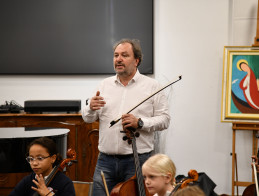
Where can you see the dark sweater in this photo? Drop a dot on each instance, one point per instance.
(61, 183)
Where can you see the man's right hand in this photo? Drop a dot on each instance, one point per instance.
(97, 102)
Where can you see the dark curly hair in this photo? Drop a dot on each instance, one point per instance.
(50, 146)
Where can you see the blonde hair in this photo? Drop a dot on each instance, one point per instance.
(190, 191)
(162, 164)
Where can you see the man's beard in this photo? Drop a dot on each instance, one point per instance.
(121, 73)
(127, 71)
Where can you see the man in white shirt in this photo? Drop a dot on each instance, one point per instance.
(116, 96)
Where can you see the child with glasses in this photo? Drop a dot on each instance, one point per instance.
(43, 157)
(159, 175)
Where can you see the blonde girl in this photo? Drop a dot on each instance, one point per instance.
(159, 175)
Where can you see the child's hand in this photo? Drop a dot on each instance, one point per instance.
(40, 183)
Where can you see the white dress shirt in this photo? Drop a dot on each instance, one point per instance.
(119, 100)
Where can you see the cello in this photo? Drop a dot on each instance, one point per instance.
(134, 186)
(71, 157)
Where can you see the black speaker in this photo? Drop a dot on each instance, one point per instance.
(52, 106)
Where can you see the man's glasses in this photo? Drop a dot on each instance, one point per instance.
(38, 159)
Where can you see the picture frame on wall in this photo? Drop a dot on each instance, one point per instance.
(240, 84)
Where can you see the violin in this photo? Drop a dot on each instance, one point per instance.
(134, 186)
(71, 157)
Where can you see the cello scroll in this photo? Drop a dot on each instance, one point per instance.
(71, 157)
(193, 176)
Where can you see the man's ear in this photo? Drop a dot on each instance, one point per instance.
(137, 61)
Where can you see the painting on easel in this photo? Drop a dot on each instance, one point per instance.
(240, 88)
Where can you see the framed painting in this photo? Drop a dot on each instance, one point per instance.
(240, 85)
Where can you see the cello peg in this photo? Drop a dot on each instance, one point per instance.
(137, 134)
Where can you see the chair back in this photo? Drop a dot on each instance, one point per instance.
(83, 188)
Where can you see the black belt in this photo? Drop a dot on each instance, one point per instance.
(122, 156)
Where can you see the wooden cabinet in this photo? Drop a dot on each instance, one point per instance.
(83, 138)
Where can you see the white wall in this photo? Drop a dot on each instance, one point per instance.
(189, 41)
(190, 36)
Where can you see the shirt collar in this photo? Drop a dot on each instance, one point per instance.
(134, 79)
(45, 177)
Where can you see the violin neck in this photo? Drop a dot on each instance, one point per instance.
(140, 179)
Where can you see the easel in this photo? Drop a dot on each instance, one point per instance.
(245, 126)
(256, 41)
(254, 127)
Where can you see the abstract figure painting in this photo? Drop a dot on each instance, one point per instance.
(240, 92)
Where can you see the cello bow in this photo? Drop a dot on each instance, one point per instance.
(255, 175)
(169, 84)
(105, 185)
